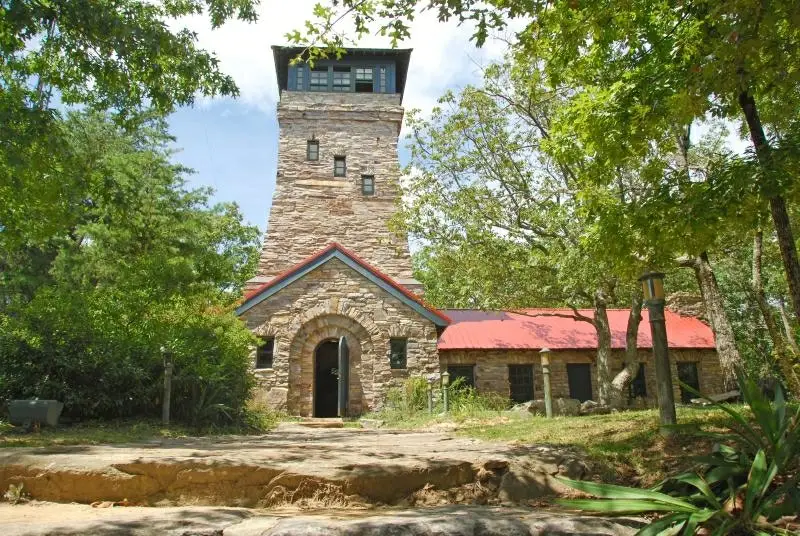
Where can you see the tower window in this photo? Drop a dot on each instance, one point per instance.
(364, 79)
(301, 71)
(339, 166)
(341, 79)
(265, 352)
(368, 184)
(319, 79)
(312, 150)
(398, 353)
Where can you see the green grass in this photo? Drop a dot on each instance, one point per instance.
(624, 447)
(125, 431)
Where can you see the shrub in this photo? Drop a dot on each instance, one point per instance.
(744, 486)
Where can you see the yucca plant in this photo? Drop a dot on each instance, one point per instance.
(745, 486)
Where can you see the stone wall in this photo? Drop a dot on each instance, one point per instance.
(491, 369)
(328, 302)
(311, 207)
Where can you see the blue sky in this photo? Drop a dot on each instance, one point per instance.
(232, 144)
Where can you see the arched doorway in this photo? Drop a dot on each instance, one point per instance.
(326, 378)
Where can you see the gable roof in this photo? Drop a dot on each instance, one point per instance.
(336, 251)
(500, 330)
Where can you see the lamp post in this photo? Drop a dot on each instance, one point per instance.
(165, 401)
(430, 395)
(653, 287)
(548, 397)
(445, 396)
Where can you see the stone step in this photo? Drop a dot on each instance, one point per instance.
(319, 422)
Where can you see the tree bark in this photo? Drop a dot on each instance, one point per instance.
(788, 329)
(603, 329)
(729, 358)
(622, 380)
(777, 204)
(782, 357)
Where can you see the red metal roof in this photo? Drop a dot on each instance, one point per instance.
(499, 330)
(332, 247)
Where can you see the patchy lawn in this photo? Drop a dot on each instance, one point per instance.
(111, 432)
(625, 447)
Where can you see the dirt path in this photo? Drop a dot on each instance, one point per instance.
(293, 465)
(38, 519)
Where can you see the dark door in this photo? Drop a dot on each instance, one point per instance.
(344, 376)
(326, 379)
(687, 373)
(579, 376)
(520, 380)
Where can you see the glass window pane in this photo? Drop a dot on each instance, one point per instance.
(300, 76)
(319, 79)
(341, 79)
(312, 150)
(368, 184)
(398, 353)
(364, 74)
(264, 353)
(339, 167)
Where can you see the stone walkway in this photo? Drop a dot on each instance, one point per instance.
(296, 481)
(38, 519)
(293, 464)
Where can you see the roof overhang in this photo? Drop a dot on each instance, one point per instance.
(335, 251)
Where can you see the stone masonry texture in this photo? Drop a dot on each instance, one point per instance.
(329, 302)
(311, 208)
(491, 369)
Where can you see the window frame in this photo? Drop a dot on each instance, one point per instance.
(269, 344)
(318, 87)
(309, 145)
(454, 375)
(300, 73)
(365, 179)
(343, 160)
(402, 362)
(513, 373)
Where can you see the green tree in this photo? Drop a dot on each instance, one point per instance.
(135, 262)
(635, 72)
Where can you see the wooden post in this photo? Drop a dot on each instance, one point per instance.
(165, 405)
(548, 397)
(654, 298)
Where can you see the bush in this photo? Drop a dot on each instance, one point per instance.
(747, 485)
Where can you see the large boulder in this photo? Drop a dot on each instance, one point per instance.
(566, 406)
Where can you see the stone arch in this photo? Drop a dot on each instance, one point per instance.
(304, 341)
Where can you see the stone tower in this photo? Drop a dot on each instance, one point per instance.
(338, 170)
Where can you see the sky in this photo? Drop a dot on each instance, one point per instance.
(232, 143)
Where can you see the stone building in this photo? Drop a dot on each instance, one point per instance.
(334, 300)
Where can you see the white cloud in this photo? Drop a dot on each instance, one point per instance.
(443, 55)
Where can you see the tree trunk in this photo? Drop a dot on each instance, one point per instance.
(788, 329)
(777, 204)
(631, 369)
(603, 329)
(782, 358)
(729, 358)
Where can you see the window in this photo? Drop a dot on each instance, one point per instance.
(520, 380)
(341, 79)
(339, 166)
(364, 80)
(687, 373)
(264, 353)
(368, 184)
(579, 377)
(398, 350)
(312, 150)
(319, 79)
(467, 372)
(383, 80)
(638, 386)
(301, 72)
